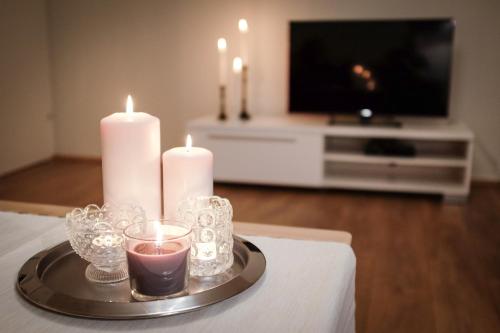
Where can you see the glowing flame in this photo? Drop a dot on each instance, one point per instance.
(130, 105)
(189, 142)
(243, 25)
(358, 69)
(222, 44)
(237, 65)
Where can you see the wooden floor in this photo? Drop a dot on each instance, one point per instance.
(422, 266)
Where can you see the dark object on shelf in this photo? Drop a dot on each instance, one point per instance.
(54, 279)
(390, 147)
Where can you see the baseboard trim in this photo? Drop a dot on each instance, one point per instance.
(64, 157)
(26, 167)
(486, 179)
(77, 158)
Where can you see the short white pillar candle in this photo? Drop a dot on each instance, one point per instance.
(187, 172)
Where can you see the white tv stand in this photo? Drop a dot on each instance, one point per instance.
(305, 151)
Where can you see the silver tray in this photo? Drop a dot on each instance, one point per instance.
(54, 279)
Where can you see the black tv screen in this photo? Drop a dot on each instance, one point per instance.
(392, 67)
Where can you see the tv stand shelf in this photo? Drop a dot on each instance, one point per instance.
(305, 151)
(393, 160)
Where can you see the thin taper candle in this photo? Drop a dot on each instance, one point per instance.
(222, 48)
(243, 28)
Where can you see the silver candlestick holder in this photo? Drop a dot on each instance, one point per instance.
(222, 106)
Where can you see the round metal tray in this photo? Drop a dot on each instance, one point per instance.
(54, 279)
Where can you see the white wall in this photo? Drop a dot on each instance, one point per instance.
(26, 131)
(164, 53)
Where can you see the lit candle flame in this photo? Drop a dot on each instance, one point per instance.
(358, 69)
(237, 65)
(222, 45)
(130, 105)
(189, 142)
(243, 25)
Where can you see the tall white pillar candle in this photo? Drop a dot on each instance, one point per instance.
(187, 172)
(243, 28)
(131, 165)
(222, 48)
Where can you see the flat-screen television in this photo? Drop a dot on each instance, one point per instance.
(391, 67)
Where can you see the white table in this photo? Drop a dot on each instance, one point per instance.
(308, 286)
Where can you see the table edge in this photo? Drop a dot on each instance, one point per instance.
(241, 228)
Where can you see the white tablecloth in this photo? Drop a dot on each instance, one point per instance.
(308, 286)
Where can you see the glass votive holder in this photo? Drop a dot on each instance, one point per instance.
(96, 235)
(158, 254)
(210, 218)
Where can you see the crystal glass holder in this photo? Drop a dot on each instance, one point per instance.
(96, 235)
(210, 218)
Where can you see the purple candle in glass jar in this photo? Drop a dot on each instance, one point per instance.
(158, 271)
(158, 259)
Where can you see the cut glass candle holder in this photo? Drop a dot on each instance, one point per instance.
(210, 218)
(96, 235)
